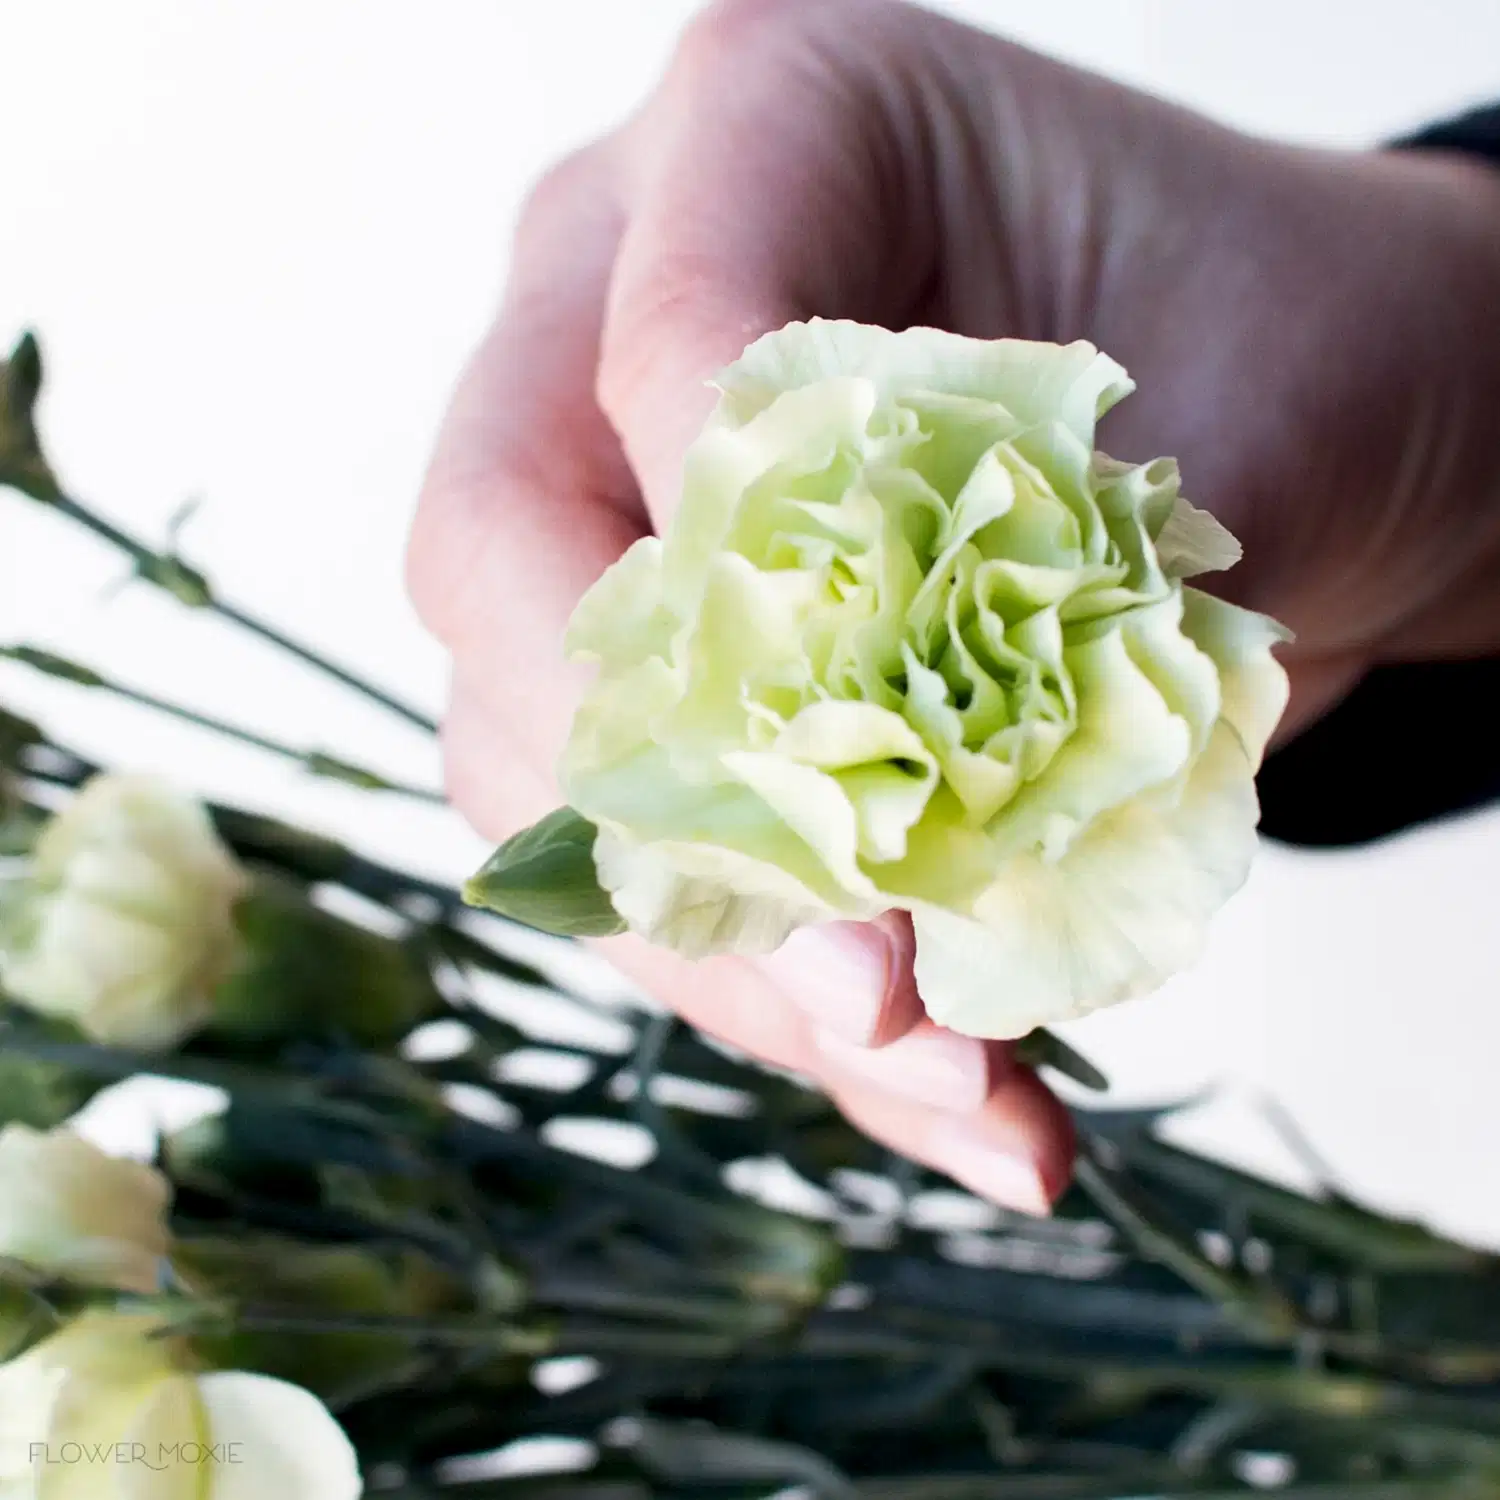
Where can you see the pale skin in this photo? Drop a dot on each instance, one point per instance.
(1315, 335)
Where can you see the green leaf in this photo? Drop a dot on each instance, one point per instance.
(545, 877)
(22, 464)
(1045, 1049)
(53, 665)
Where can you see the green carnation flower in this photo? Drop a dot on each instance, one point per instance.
(910, 642)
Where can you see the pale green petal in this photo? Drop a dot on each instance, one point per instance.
(1193, 542)
(1035, 382)
(1252, 682)
(616, 718)
(982, 782)
(985, 709)
(799, 433)
(1185, 676)
(987, 496)
(948, 862)
(620, 620)
(699, 899)
(1133, 499)
(1127, 739)
(812, 805)
(1056, 458)
(749, 628)
(1015, 590)
(1036, 528)
(645, 801)
(958, 431)
(878, 760)
(833, 736)
(287, 1443)
(1122, 911)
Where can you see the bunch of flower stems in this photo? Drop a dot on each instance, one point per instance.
(420, 1230)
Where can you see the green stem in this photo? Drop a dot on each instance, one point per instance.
(1259, 1309)
(193, 589)
(317, 762)
(311, 658)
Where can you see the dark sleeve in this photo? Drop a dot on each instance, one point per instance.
(1410, 743)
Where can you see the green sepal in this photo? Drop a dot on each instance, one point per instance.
(545, 877)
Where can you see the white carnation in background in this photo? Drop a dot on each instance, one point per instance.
(68, 1210)
(123, 924)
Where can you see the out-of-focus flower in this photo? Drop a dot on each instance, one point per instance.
(70, 1211)
(106, 1410)
(124, 923)
(910, 642)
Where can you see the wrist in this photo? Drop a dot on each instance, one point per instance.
(1393, 260)
(1449, 203)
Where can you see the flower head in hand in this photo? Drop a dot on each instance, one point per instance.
(910, 642)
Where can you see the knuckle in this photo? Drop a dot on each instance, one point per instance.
(564, 183)
(682, 291)
(724, 29)
(463, 786)
(440, 558)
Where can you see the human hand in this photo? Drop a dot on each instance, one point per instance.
(1304, 328)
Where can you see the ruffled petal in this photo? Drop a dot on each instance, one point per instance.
(1127, 740)
(1252, 683)
(621, 619)
(1123, 910)
(1035, 382)
(1192, 542)
(698, 899)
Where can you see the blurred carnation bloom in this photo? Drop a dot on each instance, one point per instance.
(70, 1211)
(124, 922)
(107, 1409)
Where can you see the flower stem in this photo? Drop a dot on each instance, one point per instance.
(317, 762)
(190, 587)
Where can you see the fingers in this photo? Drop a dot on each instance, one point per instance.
(744, 197)
(528, 498)
(1016, 1150)
(959, 1105)
(854, 979)
(756, 199)
(927, 1065)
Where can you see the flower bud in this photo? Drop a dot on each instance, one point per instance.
(123, 925)
(302, 972)
(326, 1283)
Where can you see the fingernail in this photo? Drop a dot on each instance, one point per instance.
(1011, 1180)
(838, 974)
(931, 1067)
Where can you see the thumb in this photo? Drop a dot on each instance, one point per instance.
(753, 198)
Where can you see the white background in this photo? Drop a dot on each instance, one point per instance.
(258, 240)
